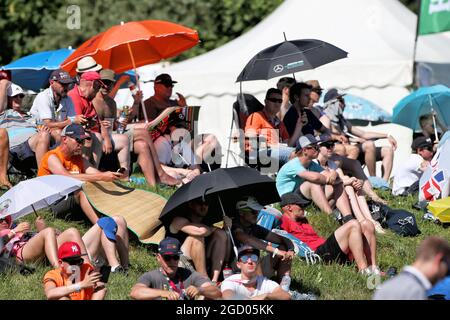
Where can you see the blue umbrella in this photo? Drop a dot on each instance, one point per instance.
(408, 111)
(32, 72)
(357, 108)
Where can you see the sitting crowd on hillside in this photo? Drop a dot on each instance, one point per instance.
(75, 128)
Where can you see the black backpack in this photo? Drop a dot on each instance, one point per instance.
(401, 222)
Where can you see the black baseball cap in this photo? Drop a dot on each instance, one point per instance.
(61, 76)
(74, 131)
(332, 94)
(247, 249)
(293, 198)
(421, 142)
(164, 78)
(169, 247)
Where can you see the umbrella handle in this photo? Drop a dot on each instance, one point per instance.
(436, 139)
(137, 81)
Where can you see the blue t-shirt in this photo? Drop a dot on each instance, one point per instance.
(288, 179)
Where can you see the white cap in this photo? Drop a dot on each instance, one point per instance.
(250, 202)
(87, 64)
(14, 90)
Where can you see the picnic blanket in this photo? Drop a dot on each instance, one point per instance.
(140, 208)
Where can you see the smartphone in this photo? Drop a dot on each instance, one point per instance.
(121, 170)
(105, 271)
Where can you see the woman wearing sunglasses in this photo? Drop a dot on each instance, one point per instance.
(249, 285)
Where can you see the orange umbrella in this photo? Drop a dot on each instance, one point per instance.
(134, 44)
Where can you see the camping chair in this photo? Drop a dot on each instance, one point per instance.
(269, 218)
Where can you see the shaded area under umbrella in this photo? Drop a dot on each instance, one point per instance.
(230, 184)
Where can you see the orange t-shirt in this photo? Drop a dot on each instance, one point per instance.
(61, 280)
(258, 123)
(73, 165)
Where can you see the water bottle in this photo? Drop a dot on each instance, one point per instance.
(285, 282)
(123, 116)
(227, 271)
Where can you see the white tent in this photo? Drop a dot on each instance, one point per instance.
(378, 34)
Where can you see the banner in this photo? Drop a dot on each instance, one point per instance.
(434, 16)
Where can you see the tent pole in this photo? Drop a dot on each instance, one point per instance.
(228, 229)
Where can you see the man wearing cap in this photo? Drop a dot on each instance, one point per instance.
(347, 239)
(170, 282)
(161, 99)
(137, 139)
(432, 264)
(74, 279)
(247, 232)
(27, 143)
(407, 176)
(176, 156)
(82, 95)
(106, 108)
(248, 284)
(302, 175)
(53, 107)
(67, 160)
(334, 105)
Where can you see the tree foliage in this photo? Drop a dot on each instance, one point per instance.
(31, 26)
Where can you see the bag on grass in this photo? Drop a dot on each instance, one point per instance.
(402, 222)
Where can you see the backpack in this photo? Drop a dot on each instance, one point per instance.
(10, 264)
(402, 222)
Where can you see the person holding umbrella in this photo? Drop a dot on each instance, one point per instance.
(203, 244)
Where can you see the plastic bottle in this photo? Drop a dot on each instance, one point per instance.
(138, 180)
(285, 282)
(165, 288)
(123, 116)
(227, 271)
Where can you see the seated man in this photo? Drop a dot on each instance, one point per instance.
(406, 179)
(248, 284)
(74, 279)
(27, 143)
(347, 239)
(67, 160)
(428, 131)
(305, 177)
(170, 282)
(246, 232)
(53, 107)
(265, 124)
(365, 149)
(176, 155)
(204, 245)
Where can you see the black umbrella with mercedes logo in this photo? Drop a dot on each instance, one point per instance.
(288, 57)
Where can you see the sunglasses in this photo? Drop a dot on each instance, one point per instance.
(275, 100)
(247, 257)
(74, 262)
(314, 147)
(167, 85)
(171, 257)
(318, 91)
(3, 220)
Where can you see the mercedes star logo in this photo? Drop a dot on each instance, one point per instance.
(278, 68)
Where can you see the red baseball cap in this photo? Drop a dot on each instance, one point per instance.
(90, 76)
(69, 250)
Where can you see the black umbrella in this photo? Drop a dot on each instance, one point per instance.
(230, 184)
(289, 57)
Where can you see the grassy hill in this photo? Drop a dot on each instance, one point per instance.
(327, 281)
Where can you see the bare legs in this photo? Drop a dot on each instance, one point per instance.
(122, 147)
(4, 154)
(39, 143)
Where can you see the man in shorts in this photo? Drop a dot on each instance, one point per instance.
(347, 239)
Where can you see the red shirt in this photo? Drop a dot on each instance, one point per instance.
(303, 231)
(84, 107)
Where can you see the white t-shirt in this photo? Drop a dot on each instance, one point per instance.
(407, 174)
(235, 284)
(44, 107)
